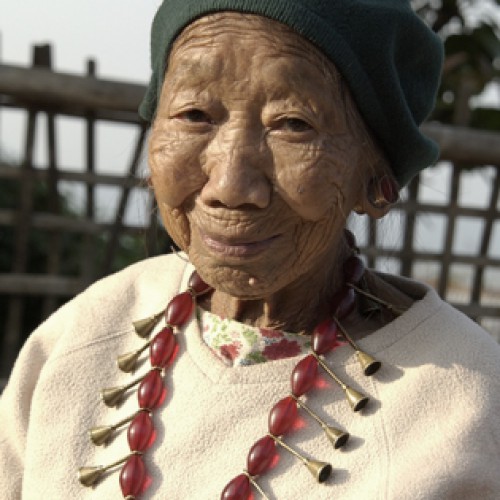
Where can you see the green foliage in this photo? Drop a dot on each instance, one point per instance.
(470, 30)
(485, 118)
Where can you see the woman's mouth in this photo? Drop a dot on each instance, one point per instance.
(236, 248)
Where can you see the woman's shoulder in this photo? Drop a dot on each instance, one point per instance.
(107, 308)
(161, 272)
(432, 331)
(463, 345)
(146, 282)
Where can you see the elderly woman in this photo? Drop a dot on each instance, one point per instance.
(275, 365)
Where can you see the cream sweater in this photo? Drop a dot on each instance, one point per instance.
(432, 430)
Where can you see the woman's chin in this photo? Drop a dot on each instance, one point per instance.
(238, 282)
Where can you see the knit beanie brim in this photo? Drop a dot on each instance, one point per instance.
(390, 59)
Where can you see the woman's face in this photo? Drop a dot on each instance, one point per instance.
(254, 166)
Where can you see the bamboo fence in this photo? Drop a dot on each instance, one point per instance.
(38, 90)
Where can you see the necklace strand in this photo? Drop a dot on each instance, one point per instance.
(163, 350)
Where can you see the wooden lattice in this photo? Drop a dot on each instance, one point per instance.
(40, 91)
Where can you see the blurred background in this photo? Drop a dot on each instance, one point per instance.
(74, 205)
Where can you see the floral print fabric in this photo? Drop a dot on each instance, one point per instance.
(237, 344)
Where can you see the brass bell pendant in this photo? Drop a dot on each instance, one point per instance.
(337, 437)
(88, 476)
(101, 434)
(369, 364)
(113, 395)
(127, 362)
(321, 471)
(143, 327)
(356, 400)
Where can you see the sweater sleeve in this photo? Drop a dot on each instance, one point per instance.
(15, 406)
(30, 401)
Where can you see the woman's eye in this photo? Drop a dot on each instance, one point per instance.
(295, 125)
(194, 116)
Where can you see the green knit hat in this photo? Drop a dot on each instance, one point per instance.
(390, 59)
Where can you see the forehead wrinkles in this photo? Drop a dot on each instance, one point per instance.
(226, 30)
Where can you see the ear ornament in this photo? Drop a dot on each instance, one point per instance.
(382, 192)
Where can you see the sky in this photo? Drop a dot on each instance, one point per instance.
(115, 33)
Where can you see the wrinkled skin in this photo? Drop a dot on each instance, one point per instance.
(255, 167)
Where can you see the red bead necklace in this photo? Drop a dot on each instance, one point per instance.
(163, 348)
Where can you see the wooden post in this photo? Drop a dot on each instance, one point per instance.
(491, 216)
(450, 230)
(409, 234)
(372, 240)
(88, 265)
(54, 237)
(113, 241)
(14, 322)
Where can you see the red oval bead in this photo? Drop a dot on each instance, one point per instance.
(282, 416)
(303, 375)
(325, 337)
(198, 286)
(179, 309)
(150, 389)
(260, 457)
(162, 347)
(354, 268)
(237, 489)
(140, 431)
(343, 302)
(132, 476)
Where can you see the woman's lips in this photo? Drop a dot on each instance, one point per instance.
(236, 248)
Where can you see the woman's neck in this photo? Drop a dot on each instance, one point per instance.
(300, 306)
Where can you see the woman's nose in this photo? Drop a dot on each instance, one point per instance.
(236, 167)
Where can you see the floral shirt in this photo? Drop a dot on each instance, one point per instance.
(237, 344)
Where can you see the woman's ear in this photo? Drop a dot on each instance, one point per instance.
(378, 197)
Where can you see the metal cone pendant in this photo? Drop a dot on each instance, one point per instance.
(127, 362)
(100, 435)
(369, 364)
(356, 400)
(320, 470)
(88, 476)
(336, 436)
(113, 395)
(143, 327)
